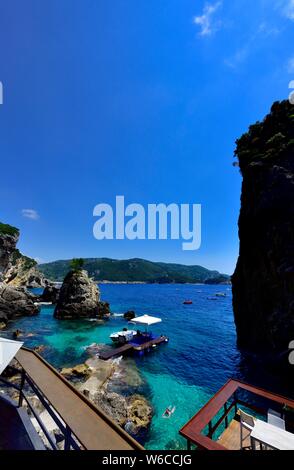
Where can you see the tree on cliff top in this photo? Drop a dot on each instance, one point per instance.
(77, 264)
(270, 140)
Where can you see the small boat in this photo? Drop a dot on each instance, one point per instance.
(169, 411)
(187, 302)
(123, 336)
(221, 294)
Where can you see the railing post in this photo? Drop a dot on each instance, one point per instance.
(67, 437)
(22, 382)
(236, 402)
(210, 432)
(226, 418)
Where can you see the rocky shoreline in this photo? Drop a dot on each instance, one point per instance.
(97, 380)
(104, 383)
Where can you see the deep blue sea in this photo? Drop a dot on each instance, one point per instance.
(199, 358)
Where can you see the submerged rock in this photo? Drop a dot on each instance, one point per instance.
(263, 282)
(15, 302)
(79, 297)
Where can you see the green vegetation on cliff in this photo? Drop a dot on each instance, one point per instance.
(268, 141)
(6, 229)
(132, 270)
(27, 262)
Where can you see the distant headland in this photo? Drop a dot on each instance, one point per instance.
(136, 271)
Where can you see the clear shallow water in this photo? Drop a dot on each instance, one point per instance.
(200, 357)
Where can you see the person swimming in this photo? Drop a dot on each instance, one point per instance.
(169, 411)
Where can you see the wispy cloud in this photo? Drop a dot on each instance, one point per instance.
(288, 9)
(253, 41)
(30, 214)
(206, 20)
(266, 29)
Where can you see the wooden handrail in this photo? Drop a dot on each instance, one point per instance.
(48, 380)
(192, 430)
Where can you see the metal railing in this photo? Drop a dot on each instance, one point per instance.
(70, 441)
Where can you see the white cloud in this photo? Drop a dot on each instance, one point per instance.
(205, 21)
(30, 214)
(289, 9)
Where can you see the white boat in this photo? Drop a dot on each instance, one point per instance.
(123, 336)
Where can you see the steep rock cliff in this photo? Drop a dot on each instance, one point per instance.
(16, 269)
(79, 297)
(263, 282)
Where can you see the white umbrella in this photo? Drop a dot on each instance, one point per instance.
(8, 349)
(146, 320)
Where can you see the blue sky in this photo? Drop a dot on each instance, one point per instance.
(137, 98)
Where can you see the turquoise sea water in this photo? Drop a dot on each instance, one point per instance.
(200, 357)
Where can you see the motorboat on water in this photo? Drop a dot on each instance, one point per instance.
(123, 336)
(221, 294)
(126, 335)
(187, 302)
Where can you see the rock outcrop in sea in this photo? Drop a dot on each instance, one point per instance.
(15, 302)
(49, 294)
(79, 297)
(263, 282)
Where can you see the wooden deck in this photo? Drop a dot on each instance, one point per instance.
(115, 352)
(91, 426)
(132, 347)
(226, 400)
(230, 438)
(149, 344)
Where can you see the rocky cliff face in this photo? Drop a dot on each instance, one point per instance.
(263, 282)
(79, 297)
(8, 239)
(23, 271)
(16, 269)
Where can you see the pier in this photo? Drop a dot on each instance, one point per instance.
(132, 346)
